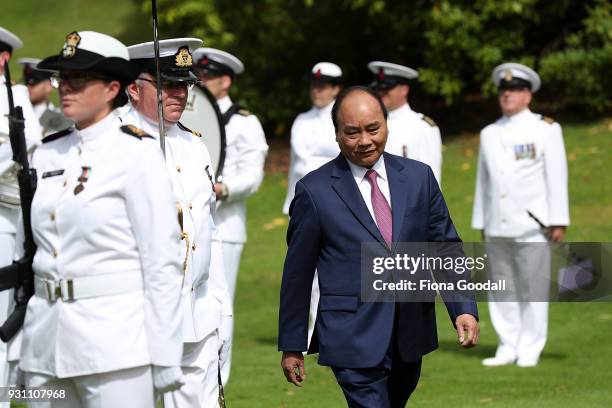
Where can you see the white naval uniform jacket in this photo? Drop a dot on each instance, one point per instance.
(33, 134)
(243, 171)
(521, 167)
(313, 143)
(415, 136)
(205, 297)
(122, 222)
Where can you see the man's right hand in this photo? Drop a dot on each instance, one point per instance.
(293, 367)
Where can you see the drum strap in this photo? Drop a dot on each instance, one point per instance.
(230, 112)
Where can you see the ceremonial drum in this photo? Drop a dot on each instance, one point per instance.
(202, 114)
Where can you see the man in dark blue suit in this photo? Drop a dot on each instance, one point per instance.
(364, 195)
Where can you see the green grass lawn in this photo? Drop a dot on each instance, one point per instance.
(574, 369)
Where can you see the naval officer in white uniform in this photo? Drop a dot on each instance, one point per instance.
(104, 325)
(207, 308)
(245, 156)
(411, 134)
(521, 197)
(313, 139)
(9, 192)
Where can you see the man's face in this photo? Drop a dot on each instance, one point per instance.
(40, 91)
(218, 85)
(362, 129)
(144, 97)
(323, 93)
(395, 97)
(513, 101)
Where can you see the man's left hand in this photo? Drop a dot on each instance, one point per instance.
(467, 330)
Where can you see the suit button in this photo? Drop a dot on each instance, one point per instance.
(55, 253)
(190, 206)
(52, 216)
(178, 168)
(65, 183)
(193, 247)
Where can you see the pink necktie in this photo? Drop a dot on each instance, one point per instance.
(382, 210)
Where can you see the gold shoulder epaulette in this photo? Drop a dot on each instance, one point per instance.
(244, 112)
(548, 120)
(429, 121)
(134, 131)
(186, 129)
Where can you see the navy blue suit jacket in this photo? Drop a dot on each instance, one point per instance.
(329, 222)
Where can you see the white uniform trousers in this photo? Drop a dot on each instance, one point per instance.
(521, 326)
(7, 248)
(231, 260)
(201, 370)
(131, 387)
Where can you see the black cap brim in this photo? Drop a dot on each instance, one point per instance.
(84, 60)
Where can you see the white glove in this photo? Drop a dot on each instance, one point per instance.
(166, 379)
(225, 333)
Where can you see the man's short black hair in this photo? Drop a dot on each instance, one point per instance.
(346, 92)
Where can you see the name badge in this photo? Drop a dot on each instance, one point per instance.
(524, 151)
(53, 173)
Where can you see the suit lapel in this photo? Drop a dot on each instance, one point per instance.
(398, 188)
(345, 186)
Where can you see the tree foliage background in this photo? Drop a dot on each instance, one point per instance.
(453, 44)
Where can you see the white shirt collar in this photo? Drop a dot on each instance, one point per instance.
(224, 103)
(402, 110)
(326, 110)
(146, 124)
(518, 117)
(359, 172)
(97, 131)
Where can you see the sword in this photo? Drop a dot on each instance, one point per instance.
(160, 103)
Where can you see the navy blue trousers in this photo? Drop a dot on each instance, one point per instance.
(388, 385)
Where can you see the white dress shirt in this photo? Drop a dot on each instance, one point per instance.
(313, 143)
(413, 135)
(122, 222)
(243, 171)
(359, 174)
(521, 167)
(205, 297)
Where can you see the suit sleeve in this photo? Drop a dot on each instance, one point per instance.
(303, 240)
(481, 183)
(252, 149)
(556, 178)
(443, 232)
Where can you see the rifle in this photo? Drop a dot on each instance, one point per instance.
(19, 275)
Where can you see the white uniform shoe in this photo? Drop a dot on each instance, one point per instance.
(497, 361)
(527, 362)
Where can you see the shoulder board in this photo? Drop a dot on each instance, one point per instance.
(57, 135)
(186, 129)
(134, 131)
(429, 121)
(244, 112)
(548, 120)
